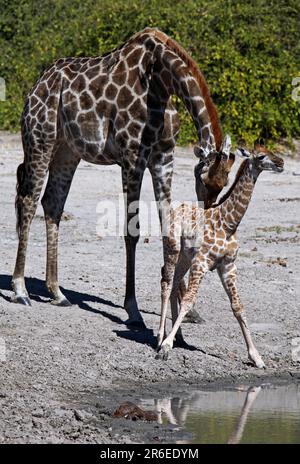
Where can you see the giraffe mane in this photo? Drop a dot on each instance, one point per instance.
(194, 70)
(239, 173)
(198, 76)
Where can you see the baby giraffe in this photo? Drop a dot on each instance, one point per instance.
(203, 240)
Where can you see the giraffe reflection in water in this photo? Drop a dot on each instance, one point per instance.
(177, 410)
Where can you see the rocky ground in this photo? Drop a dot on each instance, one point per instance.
(64, 370)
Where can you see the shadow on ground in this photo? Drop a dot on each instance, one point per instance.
(38, 292)
(146, 337)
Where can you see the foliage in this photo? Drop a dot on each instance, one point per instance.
(249, 52)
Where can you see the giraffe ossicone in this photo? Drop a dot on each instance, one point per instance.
(226, 145)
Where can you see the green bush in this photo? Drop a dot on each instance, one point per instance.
(249, 52)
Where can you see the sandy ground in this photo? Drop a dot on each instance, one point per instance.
(64, 370)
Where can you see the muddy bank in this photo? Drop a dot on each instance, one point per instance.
(53, 358)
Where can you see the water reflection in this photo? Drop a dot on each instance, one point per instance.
(244, 414)
(240, 426)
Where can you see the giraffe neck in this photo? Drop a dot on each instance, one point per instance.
(235, 203)
(178, 74)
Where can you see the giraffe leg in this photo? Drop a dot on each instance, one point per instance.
(193, 316)
(161, 173)
(132, 176)
(197, 273)
(61, 171)
(29, 185)
(227, 274)
(178, 293)
(168, 271)
(161, 169)
(174, 311)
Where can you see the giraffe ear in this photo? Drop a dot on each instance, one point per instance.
(242, 153)
(226, 145)
(201, 152)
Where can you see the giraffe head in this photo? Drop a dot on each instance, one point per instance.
(262, 160)
(212, 171)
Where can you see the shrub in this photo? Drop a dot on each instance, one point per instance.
(249, 52)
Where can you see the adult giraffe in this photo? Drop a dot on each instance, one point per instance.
(113, 109)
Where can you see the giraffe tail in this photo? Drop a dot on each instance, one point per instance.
(20, 194)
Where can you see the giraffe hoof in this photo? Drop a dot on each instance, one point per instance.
(63, 303)
(23, 300)
(134, 317)
(135, 323)
(260, 364)
(163, 354)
